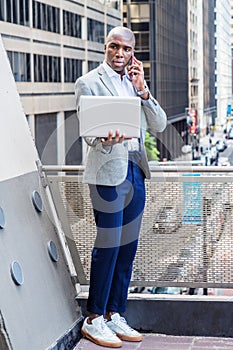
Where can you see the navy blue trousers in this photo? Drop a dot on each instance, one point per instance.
(118, 213)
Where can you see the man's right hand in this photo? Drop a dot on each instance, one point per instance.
(110, 140)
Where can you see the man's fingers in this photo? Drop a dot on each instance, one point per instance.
(110, 140)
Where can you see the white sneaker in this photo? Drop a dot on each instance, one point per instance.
(100, 334)
(119, 326)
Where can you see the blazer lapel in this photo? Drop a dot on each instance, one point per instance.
(106, 80)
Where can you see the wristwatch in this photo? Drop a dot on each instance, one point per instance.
(142, 92)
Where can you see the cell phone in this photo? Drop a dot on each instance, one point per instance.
(130, 62)
(129, 65)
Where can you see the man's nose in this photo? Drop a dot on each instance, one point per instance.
(120, 51)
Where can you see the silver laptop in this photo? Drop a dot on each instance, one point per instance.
(99, 114)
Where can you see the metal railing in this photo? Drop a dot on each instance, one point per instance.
(186, 233)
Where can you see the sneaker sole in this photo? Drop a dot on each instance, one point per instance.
(128, 338)
(101, 342)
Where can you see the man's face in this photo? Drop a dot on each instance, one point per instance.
(118, 52)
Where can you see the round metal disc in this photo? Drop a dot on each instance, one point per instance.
(2, 218)
(37, 201)
(17, 273)
(53, 251)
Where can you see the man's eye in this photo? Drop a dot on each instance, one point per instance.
(128, 49)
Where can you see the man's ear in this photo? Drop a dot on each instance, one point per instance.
(104, 47)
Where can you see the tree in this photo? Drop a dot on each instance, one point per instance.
(151, 150)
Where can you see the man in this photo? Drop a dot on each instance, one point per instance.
(115, 171)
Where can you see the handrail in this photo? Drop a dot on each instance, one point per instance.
(63, 168)
(154, 168)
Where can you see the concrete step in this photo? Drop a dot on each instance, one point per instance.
(178, 315)
(167, 342)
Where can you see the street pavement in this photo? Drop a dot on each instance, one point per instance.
(166, 342)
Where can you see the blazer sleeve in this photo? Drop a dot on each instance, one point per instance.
(155, 116)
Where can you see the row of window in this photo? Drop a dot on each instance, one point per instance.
(72, 24)
(95, 30)
(15, 11)
(46, 68)
(46, 17)
(20, 65)
(72, 69)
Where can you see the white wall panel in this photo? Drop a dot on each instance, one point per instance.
(17, 151)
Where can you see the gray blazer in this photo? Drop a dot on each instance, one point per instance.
(108, 165)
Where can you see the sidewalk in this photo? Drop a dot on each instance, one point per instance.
(166, 342)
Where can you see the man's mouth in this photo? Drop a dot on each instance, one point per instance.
(118, 63)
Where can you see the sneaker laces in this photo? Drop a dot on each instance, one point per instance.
(123, 323)
(104, 328)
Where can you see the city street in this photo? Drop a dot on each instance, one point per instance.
(208, 142)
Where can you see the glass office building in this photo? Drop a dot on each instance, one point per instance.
(161, 37)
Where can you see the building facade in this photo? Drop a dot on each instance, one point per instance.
(184, 45)
(50, 44)
(160, 28)
(223, 60)
(201, 33)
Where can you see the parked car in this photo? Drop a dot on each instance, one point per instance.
(221, 145)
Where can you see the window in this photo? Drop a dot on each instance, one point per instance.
(140, 27)
(93, 64)
(20, 65)
(147, 74)
(72, 24)
(95, 30)
(15, 11)
(47, 69)
(46, 137)
(46, 17)
(143, 56)
(142, 41)
(73, 143)
(24, 12)
(9, 12)
(2, 11)
(73, 69)
(109, 27)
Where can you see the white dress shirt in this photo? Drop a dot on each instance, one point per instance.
(124, 87)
